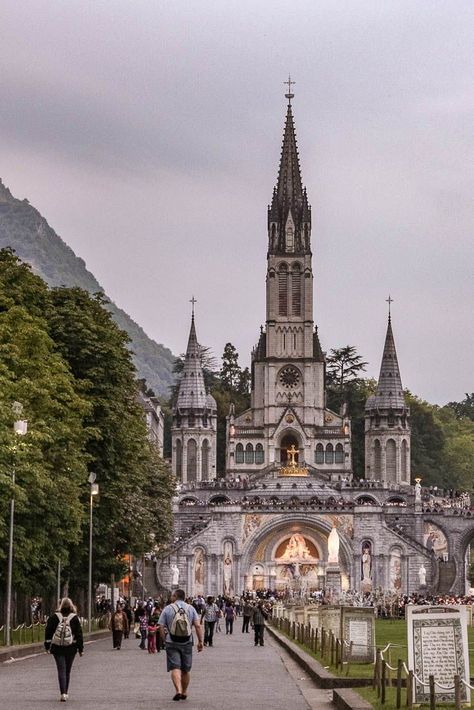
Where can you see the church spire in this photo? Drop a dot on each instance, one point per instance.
(289, 216)
(192, 391)
(389, 388)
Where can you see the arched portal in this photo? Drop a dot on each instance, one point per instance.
(288, 441)
(293, 552)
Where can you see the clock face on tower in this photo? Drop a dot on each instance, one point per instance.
(290, 377)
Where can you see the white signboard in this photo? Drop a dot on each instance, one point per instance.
(437, 645)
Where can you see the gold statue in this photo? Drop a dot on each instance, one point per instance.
(291, 455)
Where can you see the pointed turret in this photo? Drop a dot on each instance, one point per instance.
(387, 421)
(289, 215)
(389, 393)
(193, 432)
(192, 391)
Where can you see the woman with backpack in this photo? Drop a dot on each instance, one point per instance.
(63, 639)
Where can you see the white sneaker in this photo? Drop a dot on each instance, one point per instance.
(63, 697)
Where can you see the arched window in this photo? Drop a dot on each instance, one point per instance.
(249, 457)
(259, 455)
(319, 454)
(283, 290)
(329, 453)
(391, 461)
(191, 468)
(404, 461)
(377, 459)
(339, 454)
(179, 459)
(296, 290)
(205, 460)
(239, 453)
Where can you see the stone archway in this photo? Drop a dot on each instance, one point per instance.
(264, 545)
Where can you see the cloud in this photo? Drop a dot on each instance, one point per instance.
(148, 134)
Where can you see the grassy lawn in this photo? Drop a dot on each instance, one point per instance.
(394, 632)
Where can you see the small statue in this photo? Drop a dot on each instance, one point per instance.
(417, 490)
(174, 575)
(422, 575)
(333, 547)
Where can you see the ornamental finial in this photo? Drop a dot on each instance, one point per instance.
(289, 95)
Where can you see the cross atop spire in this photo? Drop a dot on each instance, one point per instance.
(193, 302)
(289, 95)
(389, 301)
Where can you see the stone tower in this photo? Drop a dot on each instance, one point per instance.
(288, 409)
(387, 422)
(193, 432)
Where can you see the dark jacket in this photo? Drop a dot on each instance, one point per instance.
(51, 626)
(258, 616)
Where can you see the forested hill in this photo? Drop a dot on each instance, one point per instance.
(24, 229)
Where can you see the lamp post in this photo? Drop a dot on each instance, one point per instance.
(93, 492)
(20, 427)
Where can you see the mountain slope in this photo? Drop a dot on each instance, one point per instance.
(24, 229)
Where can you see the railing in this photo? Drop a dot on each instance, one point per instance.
(406, 678)
(23, 633)
(34, 633)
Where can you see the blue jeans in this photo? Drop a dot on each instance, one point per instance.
(143, 635)
(64, 660)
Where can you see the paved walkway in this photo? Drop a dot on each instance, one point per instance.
(233, 675)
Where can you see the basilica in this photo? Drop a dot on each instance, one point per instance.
(288, 493)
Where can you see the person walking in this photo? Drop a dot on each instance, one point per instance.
(177, 621)
(210, 614)
(259, 615)
(229, 615)
(118, 624)
(143, 623)
(128, 614)
(153, 631)
(246, 616)
(63, 639)
(136, 619)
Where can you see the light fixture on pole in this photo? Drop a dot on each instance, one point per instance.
(93, 492)
(20, 428)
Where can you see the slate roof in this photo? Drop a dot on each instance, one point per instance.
(289, 194)
(389, 393)
(192, 391)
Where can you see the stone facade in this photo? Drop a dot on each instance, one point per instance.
(288, 367)
(267, 524)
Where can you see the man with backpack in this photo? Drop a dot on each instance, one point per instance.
(176, 628)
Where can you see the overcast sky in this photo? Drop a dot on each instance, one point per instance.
(148, 133)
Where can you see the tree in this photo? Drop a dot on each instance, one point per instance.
(465, 408)
(427, 442)
(51, 461)
(230, 374)
(134, 510)
(343, 367)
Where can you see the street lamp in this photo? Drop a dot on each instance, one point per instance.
(93, 492)
(20, 428)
